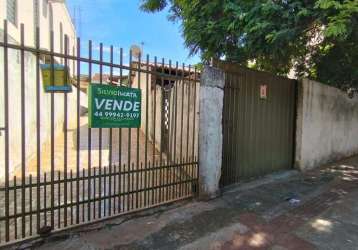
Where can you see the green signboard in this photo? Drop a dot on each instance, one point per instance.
(113, 107)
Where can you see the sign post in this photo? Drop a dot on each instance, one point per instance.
(113, 107)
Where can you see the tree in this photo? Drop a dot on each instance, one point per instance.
(318, 38)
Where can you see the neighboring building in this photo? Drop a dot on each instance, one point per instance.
(48, 15)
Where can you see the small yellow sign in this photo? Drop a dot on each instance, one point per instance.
(59, 82)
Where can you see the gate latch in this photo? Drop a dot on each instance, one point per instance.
(1, 129)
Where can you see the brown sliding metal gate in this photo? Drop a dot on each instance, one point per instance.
(258, 129)
(58, 172)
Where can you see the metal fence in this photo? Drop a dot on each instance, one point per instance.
(58, 172)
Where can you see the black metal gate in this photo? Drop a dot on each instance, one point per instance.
(58, 172)
(258, 124)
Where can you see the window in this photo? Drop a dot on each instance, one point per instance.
(44, 7)
(11, 11)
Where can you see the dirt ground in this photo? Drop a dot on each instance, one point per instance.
(288, 210)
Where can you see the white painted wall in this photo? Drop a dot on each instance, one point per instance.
(25, 15)
(327, 125)
(30, 111)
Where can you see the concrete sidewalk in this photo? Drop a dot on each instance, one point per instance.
(316, 210)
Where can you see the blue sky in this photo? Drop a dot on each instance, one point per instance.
(120, 23)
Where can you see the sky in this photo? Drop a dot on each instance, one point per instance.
(121, 23)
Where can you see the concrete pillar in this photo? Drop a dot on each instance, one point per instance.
(210, 131)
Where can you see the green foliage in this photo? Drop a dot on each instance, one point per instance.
(338, 24)
(318, 38)
(153, 5)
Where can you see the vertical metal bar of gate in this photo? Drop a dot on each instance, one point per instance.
(121, 197)
(38, 135)
(181, 128)
(137, 132)
(100, 140)
(78, 67)
(161, 130)
(52, 171)
(130, 180)
(194, 112)
(7, 131)
(23, 137)
(110, 141)
(66, 77)
(146, 132)
(154, 179)
(89, 142)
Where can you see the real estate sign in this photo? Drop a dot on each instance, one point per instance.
(113, 107)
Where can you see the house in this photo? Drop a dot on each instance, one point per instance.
(47, 15)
